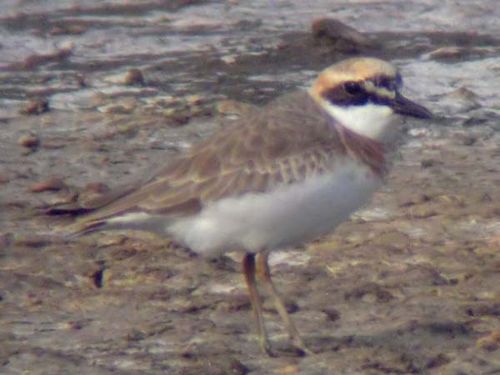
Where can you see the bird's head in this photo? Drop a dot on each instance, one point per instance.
(363, 94)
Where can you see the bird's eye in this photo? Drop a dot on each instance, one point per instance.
(386, 83)
(353, 88)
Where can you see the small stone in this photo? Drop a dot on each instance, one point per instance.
(92, 194)
(76, 324)
(97, 188)
(134, 77)
(51, 184)
(229, 59)
(485, 309)
(136, 335)
(35, 106)
(6, 240)
(179, 118)
(370, 293)
(67, 29)
(427, 163)
(4, 178)
(340, 34)
(238, 302)
(288, 370)
(62, 199)
(236, 367)
(464, 93)
(461, 100)
(469, 140)
(392, 240)
(31, 240)
(123, 106)
(489, 342)
(369, 298)
(230, 107)
(81, 80)
(34, 61)
(332, 313)
(194, 100)
(447, 53)
(422, 212)
(29, 141)
(437, 361)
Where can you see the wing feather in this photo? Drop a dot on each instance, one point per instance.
(273, 146)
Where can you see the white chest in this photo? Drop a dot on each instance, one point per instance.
(287, 216)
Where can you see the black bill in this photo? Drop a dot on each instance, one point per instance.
(406, 107)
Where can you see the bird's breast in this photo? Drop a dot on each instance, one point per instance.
(285, 216)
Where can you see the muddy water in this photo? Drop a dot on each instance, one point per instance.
(95, 93)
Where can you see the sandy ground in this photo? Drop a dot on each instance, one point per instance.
(410, 285)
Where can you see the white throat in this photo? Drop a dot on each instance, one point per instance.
(371, 120)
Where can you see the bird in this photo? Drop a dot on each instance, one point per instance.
(283, 174)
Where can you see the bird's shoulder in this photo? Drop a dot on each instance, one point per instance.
(283, 142)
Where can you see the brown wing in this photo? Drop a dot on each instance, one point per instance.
(286, 141)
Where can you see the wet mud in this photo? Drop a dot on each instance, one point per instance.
(410, 285)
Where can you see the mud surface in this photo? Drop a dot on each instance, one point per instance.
(94, 94)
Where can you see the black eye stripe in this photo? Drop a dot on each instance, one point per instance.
(355, 93)
(353, 88)
(351, 93)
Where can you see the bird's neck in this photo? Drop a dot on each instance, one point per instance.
(375, 122)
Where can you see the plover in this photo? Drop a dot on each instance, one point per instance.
(284, 174)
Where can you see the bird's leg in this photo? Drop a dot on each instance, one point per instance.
(264, 274)
(249, 272)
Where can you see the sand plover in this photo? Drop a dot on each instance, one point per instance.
(282, 175)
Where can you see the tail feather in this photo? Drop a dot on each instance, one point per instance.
(81, 226)
(77, 211)
(77, 229)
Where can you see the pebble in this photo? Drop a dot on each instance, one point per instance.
(67, 29)
(464, 93)
(437, 361)
(229, 59)
(331, 313)
(97, 188)
(5, 240)
(233, 108)
(35, 60)
(288, 370)
(446, 53)
(92, 194)
(32, 240)
(51, 184)
(134, 77)
(178, 118)
(66, 198)
(29, 141)
(194, 100)
(460, 100)
(122, 106)
(35, 106)
(469, 140)
(427, 163)
(490, 342)
(423, 212)
(340, 34)
(4, 178)
(393, 240)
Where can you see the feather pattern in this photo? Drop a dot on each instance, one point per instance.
(274, 146)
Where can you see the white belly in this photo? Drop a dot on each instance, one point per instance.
(285, 217)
